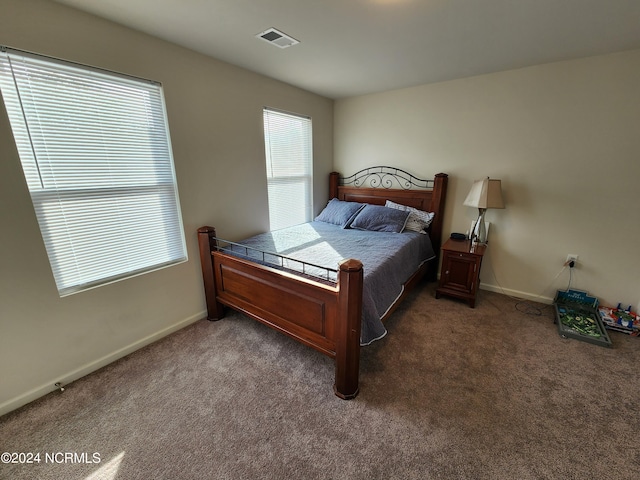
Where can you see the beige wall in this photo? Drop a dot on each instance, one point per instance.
(564, 139)
(215, 116)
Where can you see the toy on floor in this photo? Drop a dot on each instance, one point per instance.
(620, 320)
(577, 317)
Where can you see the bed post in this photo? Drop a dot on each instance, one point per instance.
(437, 205)
(348, 329)
(207, 243)
(334, 181)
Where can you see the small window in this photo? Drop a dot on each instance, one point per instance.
(288, 149)
(96, 154)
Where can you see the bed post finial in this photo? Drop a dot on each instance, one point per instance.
(348, 334)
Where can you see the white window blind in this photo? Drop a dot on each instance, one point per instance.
(96, 154)
(288, 148)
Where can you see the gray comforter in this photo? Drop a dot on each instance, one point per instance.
(389, 260)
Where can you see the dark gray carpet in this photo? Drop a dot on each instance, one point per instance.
(451, 392)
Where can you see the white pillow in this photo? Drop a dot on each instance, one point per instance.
(418, 220)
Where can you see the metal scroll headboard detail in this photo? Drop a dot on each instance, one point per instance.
(385, 177)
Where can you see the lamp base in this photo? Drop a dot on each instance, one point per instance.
(479, 234)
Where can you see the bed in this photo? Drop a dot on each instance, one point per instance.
(326, 306)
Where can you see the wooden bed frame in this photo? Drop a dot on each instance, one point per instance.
(325, 317)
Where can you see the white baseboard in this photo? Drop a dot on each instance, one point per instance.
(69, 377)
(516, 293)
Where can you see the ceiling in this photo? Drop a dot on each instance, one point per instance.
(355, 47)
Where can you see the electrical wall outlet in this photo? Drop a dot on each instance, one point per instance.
(572, 257)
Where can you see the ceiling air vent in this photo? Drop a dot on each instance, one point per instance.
(277, 38)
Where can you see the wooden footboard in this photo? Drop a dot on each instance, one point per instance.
(327, 318)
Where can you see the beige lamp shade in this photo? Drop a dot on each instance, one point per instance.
(485, 193)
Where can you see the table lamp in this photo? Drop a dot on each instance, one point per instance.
(485, 193)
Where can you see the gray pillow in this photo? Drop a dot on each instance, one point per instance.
(380, 219)
(339, 212)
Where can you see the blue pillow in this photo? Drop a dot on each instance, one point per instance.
(380, 219)
(339, 212)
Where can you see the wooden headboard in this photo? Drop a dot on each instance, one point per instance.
(376, 185)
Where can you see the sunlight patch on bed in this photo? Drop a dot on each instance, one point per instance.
(303, 243)
(325, 269)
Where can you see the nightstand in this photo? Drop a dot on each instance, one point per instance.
(460, 272)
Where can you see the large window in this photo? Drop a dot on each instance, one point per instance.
(96, 154)
(288, 149)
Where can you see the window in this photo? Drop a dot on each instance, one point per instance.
(96, 154)
(288, 149)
